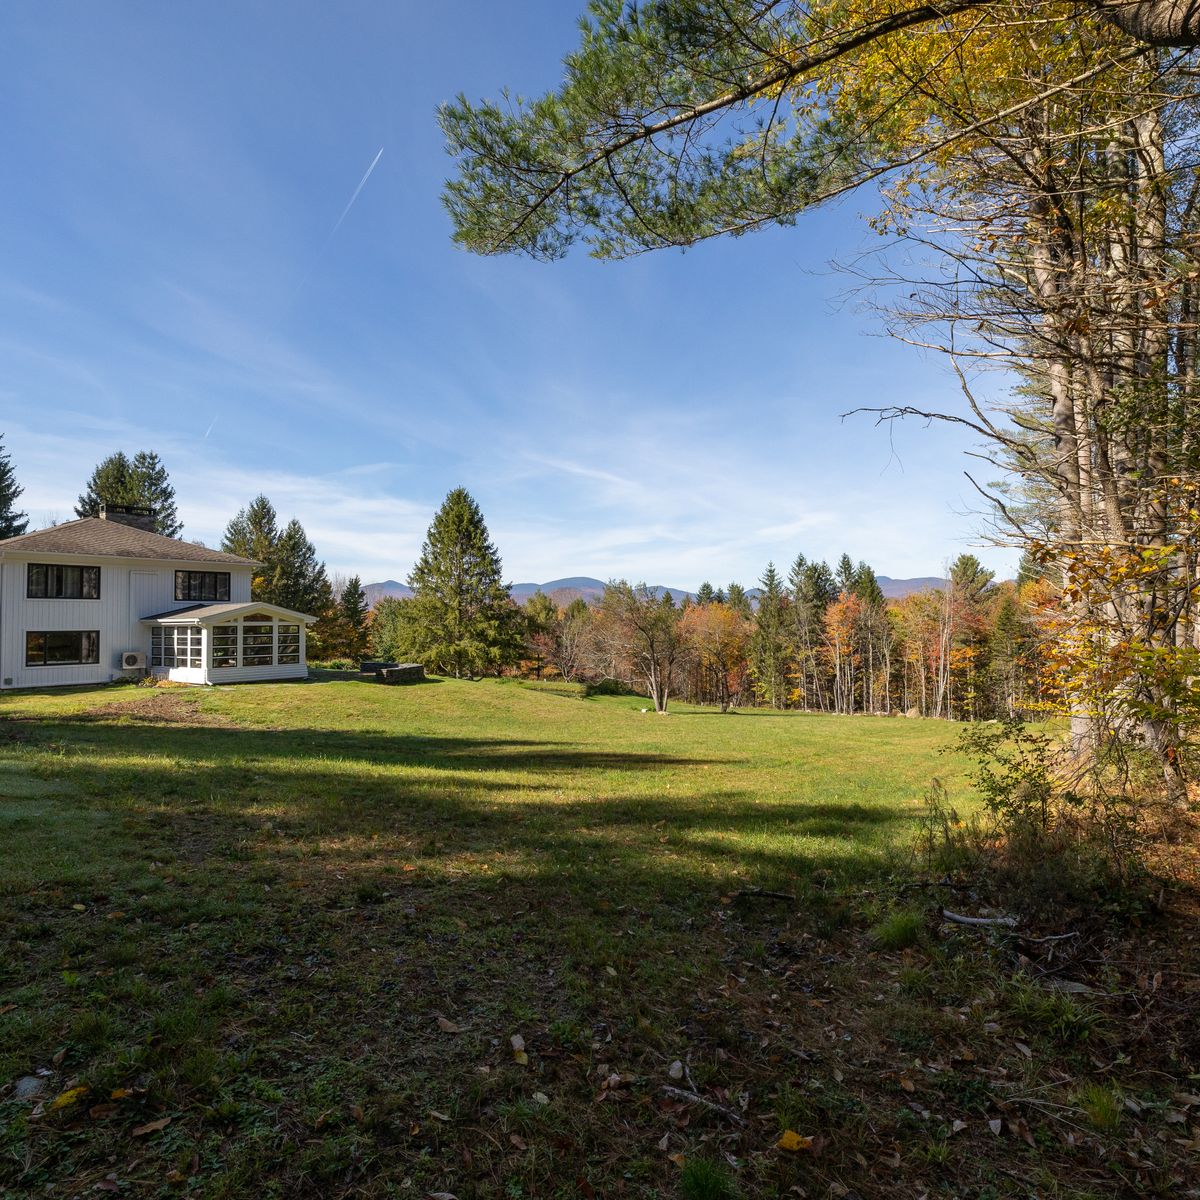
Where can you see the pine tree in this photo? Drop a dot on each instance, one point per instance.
(153, 487)
(768, 644)
(298, 581)
(466, 620)
(739, 601)
(253, 533)
(845, 574)
(110, 483)
(142, 480)
(12, 522)
(353, 611)
(705, 595)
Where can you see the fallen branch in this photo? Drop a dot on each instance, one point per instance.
(947, 915)
(693, 1098)
(1054, 937)
(759, 894)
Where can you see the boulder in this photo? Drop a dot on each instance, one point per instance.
(913, 713)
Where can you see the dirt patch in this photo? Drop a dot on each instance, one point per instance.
(159, 708)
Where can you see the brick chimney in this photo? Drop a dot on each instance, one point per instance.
(137, 515)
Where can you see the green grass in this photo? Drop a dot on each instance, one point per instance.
(303, 924)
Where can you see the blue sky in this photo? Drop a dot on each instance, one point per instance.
(170, 279)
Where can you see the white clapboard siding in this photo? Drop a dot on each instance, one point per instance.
(129, 589)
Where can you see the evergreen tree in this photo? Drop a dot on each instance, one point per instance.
(298, 580)
(970, 578)
(466, 621)
(845, 574)
(110, 483)
(153, 487)
(142, 480)
(739, 601)
(12, 522)
(705, 595)
(769, 643)
(866, 586)
(354, 611)
(253, 533)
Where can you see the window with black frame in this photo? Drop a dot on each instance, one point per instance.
(201, 585)
(59, 581)
(62, 647)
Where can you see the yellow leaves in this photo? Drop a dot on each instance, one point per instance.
(793, 1142)
(69, 1097)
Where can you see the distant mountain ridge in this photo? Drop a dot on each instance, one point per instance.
(572, 587)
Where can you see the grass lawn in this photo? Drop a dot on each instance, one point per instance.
(337, 939)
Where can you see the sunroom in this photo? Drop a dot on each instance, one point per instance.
(228, 643)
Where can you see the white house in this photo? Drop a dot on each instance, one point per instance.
(105, 597)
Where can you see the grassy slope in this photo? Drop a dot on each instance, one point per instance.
(246, 909)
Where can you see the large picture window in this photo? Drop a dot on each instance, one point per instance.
(224, 645)
(201, 585)
(53, 581)
(175, 646)
(289, 643)
(258, 641)
(61, 648)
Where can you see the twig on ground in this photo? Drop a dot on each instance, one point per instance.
(947, 915)
(759, 894)
(693, 1098)
(1054, 937)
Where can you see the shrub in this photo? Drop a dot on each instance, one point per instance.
(1051, 831)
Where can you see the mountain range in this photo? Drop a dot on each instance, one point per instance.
(563, 591)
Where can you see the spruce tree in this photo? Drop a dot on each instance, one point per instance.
(142, 480)
(705, 595)
(465, 619)
(739, 601)
(352, 611)
(110, 483)
(253, 533)
(299, 581)
(12, 522)
(152, 486)
(769, 642)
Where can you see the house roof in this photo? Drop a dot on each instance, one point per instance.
(208, 614)
(95, 537)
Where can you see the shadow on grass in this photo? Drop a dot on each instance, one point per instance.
(569, 815)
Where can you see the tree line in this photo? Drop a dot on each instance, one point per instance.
(823, 639)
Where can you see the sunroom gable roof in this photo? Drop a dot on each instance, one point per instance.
(213, 614)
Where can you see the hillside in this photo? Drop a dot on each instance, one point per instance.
(563, 591)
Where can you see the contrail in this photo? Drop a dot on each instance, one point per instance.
(362, 183)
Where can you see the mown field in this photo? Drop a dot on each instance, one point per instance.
(477, 939)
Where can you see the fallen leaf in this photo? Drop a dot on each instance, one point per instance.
(447, 1026)
(433, 1112)
(518, 1042)
(98, 1112)
(520, 1058)
(907, 1084)
(79, 907)
(442, 1196)
(120, 1093)
(151, 1127)
(793, 1141)
(675, 1070)
(958, 1126)
(69, 1097)
(541, 1098)
(57, 1059)
(357, 1113)
(1024, 1049)
(666, 1142)
(995, 1126)
(677, 1159)
(518, 1141)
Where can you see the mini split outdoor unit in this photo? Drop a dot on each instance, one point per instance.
(133, 660)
